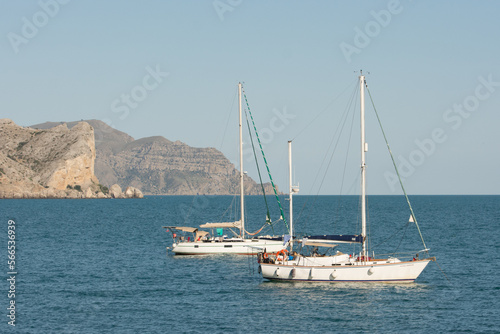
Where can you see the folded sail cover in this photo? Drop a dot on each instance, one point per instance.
(182, 228)
(236, 224)
(351, 238)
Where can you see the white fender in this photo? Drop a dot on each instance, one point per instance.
(334, 274)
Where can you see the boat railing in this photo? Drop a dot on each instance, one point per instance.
(403, 255)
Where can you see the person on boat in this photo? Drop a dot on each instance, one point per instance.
(315, 252)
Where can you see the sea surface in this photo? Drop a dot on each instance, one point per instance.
(101, 266)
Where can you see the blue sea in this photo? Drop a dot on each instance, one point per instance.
(101, 266)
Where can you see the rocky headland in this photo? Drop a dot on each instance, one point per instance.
(91, 159)
(51, 163)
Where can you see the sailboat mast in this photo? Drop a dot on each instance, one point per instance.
(242, 192)
(291, 192)
(364, 148)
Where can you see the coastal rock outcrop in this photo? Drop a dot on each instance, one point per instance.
(49, 163)
(132, 192)
(115, 191)
(159, 166)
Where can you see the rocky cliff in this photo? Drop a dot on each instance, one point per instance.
(159, 166)
(51, 163)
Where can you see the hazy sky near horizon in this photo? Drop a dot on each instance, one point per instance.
(171, 68)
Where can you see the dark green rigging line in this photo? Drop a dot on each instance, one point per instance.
(265, 160)
(268, 215)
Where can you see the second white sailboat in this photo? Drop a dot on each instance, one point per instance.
(201, 242)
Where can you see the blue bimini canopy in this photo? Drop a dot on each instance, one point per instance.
(348, 238)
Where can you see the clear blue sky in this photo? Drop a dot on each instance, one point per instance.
(71, 60)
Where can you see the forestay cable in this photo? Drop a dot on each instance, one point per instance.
(396, 168)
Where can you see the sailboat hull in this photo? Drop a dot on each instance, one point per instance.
(239, 246)
(342, 267)
(399, 272)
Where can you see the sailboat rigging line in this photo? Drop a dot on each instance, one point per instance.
(220, 148)
(446, 276)
(265, 161)
(340, 126)
(347, 153)
(391, 236)
(339, 203)
(268, 215)
(337, 135)
(228, 117)
(201, 191)
(369, 241)
(396, 168)
(324, 109)
(228, 208)
(358, 217)
(344, 116)
(402, 238)
(263, 226)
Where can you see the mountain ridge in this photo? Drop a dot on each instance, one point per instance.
(159, 166)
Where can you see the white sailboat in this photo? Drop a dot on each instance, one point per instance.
(201, 242)
(290, 266)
